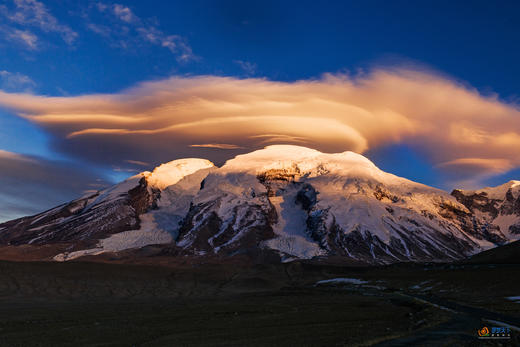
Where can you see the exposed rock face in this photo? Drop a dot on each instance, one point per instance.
(285, 200)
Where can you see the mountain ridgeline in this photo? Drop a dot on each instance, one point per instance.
(285, 202)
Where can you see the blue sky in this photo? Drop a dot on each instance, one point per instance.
(69, 49)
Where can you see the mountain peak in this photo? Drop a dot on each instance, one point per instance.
(306, 160)
(172, 172)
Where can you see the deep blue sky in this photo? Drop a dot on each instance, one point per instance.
(473, 42)
(287, 40)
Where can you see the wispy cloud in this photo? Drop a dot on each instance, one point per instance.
(124, 13)
(453, 126)
(15, 82)
(137, 162)
(248, 67)
(100, 29)
(218, 145)
(123, 169)
(32, 13)
(471, 172)
(127, 30)
(24, 37)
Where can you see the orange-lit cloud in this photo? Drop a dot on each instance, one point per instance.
(470, 172)
(217, 145)
(450, 124)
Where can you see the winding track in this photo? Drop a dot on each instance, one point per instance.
(464, 318)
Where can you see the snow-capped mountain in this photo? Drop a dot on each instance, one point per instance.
(496, 210)
(291, 201)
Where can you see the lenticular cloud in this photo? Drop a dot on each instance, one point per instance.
(456, 128)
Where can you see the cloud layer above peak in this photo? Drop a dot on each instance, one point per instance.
(456, 128)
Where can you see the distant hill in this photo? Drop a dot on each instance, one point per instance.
(507, 254)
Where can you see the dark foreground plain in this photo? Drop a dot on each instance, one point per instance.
(99, 304)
